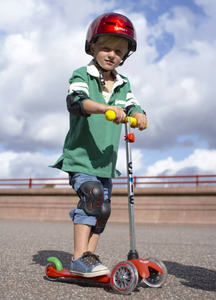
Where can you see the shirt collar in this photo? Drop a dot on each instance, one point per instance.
(93, 71)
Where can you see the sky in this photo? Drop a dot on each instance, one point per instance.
(172, 75)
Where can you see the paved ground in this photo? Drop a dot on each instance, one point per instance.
(188, 252)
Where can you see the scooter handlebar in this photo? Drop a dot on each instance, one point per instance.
(111, 115)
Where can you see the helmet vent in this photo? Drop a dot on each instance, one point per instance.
(131, 28)
(110, 23)
(113, 23)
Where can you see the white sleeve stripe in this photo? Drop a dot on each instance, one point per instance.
(79, 86)
(131, 100)
(130, 95)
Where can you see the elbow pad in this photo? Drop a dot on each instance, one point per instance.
(127, 109)
(75, 104)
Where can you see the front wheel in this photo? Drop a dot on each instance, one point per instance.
(156, 279)
(124, 277)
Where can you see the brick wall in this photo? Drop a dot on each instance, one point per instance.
(180, 205)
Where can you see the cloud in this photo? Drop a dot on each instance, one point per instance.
(201, 161)
(35, 164)
(28, 165)
(171, 74)
(14, 18)
(178, 90)
(137, 159)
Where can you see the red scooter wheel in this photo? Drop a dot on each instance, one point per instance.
(51, 278)
(124, 277)
(156, 279)
(54, 264)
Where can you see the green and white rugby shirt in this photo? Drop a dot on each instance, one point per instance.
(91, 145)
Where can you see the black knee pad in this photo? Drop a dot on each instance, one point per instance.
(94, 198)
(103, 218)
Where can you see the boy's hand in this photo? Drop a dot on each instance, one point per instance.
(120, 114)
(142, 121)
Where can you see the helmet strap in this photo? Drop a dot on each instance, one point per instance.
(125, 57)
(101, 70)
(102, 81)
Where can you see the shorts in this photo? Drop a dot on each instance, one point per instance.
(77, 215)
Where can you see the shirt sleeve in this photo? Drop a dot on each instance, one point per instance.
(132, 105)
(79, 82)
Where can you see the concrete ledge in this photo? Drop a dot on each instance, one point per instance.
(174, 205)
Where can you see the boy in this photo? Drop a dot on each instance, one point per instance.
(91, 145)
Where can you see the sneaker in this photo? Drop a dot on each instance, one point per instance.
(88, 265)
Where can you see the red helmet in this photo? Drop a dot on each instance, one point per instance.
(111, 24)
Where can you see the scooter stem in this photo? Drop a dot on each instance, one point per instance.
(129, 122)
(133, 254)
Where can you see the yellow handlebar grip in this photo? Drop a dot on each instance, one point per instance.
(110, 115)
(133, 121)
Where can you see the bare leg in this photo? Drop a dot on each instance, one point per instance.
(84, 240)
(93, 241)
(81, 239)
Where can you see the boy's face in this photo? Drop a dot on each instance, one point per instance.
(109, 56)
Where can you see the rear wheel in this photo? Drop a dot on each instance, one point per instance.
(54, 263)
(47, 272)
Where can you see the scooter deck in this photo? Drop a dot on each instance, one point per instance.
(142, 266)
(52, 273)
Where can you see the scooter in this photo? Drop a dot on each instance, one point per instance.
(126, 275)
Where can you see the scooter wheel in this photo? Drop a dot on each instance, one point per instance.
(156, 279)
(54, 263)
(47, 273)
(124, 277)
